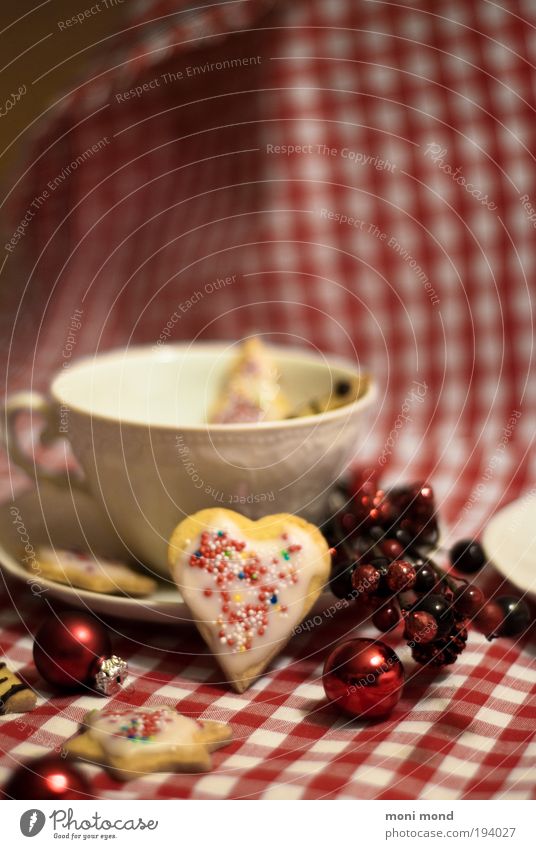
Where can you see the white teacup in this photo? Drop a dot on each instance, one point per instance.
(136, 421)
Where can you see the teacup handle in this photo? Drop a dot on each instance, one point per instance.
(34, 403)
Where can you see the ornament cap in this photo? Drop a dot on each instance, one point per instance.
(111, 674)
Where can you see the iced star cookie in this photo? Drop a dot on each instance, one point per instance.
(251, 391)
(247, 584)
(80, 569)
(131, 742)
(15, 695)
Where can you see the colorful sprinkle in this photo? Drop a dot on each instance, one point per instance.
(226, 560)
(141, 726)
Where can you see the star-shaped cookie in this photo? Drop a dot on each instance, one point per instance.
(131, 742)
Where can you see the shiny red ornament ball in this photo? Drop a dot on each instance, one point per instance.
(363, 678)
(50, 778)
(73, 649)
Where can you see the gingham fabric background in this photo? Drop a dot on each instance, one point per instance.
(184, 189)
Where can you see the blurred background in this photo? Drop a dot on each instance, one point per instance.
(32, 48)
(364, 171)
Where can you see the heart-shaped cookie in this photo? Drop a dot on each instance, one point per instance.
(247, 584)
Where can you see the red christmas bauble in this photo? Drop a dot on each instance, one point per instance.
(48, 778)
(73, 649)
(363, 678)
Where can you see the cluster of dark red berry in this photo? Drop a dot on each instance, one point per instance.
(382, 541)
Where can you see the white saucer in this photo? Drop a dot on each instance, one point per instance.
(510, 543)
(53, 516)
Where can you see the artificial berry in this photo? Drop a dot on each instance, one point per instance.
(399, 495)
(467, 556)
(489, 618)
(468, 600)
(516, 616)
(400, 576)
(382, 565)
(362, 548)
(380, 562)
(366, 579)
(386, 617)
(364, 481)
(415, 505)
(443, 650)
(415, 501)
(405, 539)
(371, 505)
(340, 582)
(421, 626)
(391, 548)
(426, 576)
(381, 509)
(423, 502)
(440, 608)
(376, 533)
(348, 522)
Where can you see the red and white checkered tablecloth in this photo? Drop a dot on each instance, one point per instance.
(164, 168)
(463, 733)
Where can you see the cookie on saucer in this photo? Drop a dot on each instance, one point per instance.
(89, 572)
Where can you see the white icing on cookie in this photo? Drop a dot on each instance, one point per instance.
(248, 595)
(125, 733)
